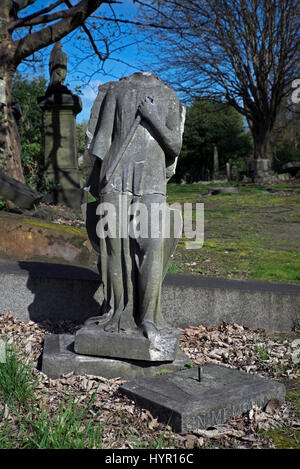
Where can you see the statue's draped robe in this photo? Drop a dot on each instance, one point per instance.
(132, 270)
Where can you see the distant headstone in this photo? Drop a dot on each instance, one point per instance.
(284, 177)
(292, 168)
(234, 173)
(259, 170)
(228, 173)
(60, 107)
(223, 190)
(216, 163)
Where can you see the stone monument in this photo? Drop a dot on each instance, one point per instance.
(60, 107)
(228, 171)
(216, 163)
(134, 148)
(260, 171)
(134, 138)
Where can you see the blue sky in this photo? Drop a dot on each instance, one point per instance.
(87, 74)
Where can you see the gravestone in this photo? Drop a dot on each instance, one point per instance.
(292, 168)
(186, 403)
(259, 170)
(228, 172)
(18, 193)
(60, 107)
(216, 163)
(234, 173)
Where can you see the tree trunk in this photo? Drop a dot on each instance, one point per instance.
(10, 145)
(260, 167)
(262, 146)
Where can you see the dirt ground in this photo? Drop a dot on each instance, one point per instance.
(126, 426)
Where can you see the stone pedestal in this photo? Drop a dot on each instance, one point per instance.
(132, 345)
(59, 358)
(60, 108)
(259, 170)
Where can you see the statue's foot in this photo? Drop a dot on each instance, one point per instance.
(117, 323)
(149, 330)
(96, 320)
(112, 326)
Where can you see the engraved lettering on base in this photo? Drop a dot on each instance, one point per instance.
(219, 416)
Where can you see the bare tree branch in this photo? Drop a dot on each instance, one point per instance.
(52, 33)
(24, 3)
(27, 19)
(135, 23)
(43, 19)
(91, 39)
(244, 51)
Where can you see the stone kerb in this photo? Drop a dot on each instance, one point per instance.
(38, 291)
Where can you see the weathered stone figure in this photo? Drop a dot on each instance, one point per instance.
(135, 145)
(57, 65)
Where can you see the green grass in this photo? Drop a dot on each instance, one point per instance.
(287, 438)
(17, 383)
(24, 424)
(250, 235)
(69, 428)
(172, 268)
(66, 430)
(262, 352)
(284, 438)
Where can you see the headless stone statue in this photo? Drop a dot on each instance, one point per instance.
(134, 144)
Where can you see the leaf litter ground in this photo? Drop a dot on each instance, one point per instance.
(124, 426)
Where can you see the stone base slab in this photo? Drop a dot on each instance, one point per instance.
(59, 358)
(132, 345)
(180, 400)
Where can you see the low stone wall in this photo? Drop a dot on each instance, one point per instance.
(32, 239)
(43, 291)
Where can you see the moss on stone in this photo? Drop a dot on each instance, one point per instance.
(46, 224)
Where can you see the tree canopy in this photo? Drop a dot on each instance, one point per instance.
(244, 51)
(208, 124)
(25, 93)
